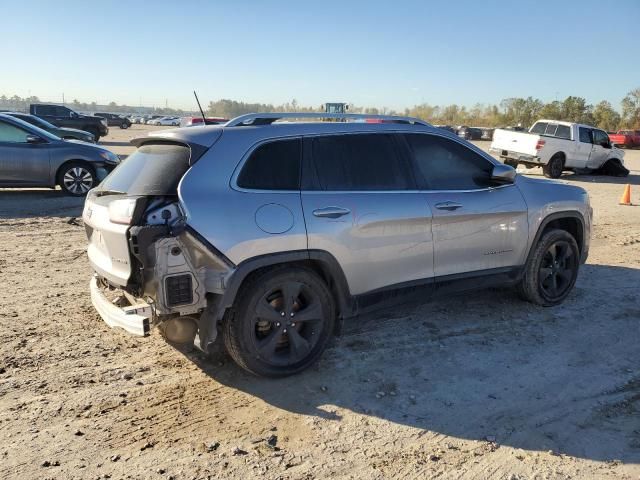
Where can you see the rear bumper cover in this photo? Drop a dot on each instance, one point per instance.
(134, 319)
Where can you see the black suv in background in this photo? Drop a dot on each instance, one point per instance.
(114, 120)
(62, 116)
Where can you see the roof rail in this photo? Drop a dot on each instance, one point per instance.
(253, 119)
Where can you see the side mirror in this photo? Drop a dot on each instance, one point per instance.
(34, 139)
(503, 174)
(605, 144)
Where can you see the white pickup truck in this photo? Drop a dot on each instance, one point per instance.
(558, 146)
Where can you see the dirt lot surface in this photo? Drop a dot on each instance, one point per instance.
(475, 386)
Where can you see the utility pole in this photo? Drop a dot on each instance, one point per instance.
(62, 98)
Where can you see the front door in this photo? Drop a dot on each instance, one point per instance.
(362, 206)
(478, 226)
(22, 162)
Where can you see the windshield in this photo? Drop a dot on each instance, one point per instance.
(154, 169)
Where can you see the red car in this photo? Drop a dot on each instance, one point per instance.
(625, 138)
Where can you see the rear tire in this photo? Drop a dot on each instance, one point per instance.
(554, 168)
(551, 270)
(511, 163)
(281, 322)
(77, 178)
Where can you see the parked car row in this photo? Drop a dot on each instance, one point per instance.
(469, 133)
(62, 116)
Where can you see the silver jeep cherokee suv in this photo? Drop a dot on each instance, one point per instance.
(270, 232)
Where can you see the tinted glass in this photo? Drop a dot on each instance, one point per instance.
(150, 170)
(563, 132)
(45, 110)
(359, 162)
(539, 128)
(273, 166)
(599, 137)
(551, 129)
(585, 135)
(444, 164)
(12, 134)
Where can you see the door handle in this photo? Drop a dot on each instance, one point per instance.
(331, 212)
(450, 206)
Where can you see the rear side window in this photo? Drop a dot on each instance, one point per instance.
(563, 131)
(150, 170)
(585, 135)
(273, 166)
(551, 130)
(539, 128)
(444, 164)
(359, 162)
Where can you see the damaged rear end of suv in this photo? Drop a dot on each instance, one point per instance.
(150, 267)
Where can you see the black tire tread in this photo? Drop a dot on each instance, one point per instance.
(528, 285)
(233, 316)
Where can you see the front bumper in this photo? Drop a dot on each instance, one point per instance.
(135, 319)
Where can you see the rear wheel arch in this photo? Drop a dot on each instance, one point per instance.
(321, 262)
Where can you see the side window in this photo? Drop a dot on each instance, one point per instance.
(62, 112)
(539, 128)
(359, 162)
(585, 135)
(444, 164)
(551, 129)
(563, 131)
(273, 166)
(46, 110)
(599, 137)
(12, 134)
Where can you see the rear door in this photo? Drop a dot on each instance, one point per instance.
(478, 226)
(21, 162)
(362, 206)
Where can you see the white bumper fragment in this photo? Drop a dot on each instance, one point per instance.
(134, 319)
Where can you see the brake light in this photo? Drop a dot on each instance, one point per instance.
(540, 144)
(121, 211)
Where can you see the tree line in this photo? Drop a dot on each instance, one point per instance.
(509, 112)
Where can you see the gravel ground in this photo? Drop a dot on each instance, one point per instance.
(475, 386)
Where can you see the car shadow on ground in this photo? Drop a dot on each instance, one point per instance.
(484, 366)
(632, 179)
(38, 202)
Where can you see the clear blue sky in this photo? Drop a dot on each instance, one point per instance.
(374, 53)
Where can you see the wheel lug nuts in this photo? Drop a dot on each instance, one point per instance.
(285, 330)
(277, 324)
(292, 314)
(293, 324)
(282, 314)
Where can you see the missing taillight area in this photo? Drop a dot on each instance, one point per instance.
(178, 289)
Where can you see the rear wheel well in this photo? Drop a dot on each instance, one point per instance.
(569, 224)
(340, 297)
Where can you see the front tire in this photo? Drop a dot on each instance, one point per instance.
(77, 178)
(554, 168)
(281, 322)
(551, 270)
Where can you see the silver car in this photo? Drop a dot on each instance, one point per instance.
(33, 157)
(269, 233)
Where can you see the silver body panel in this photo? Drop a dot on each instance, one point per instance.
(378, 238)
